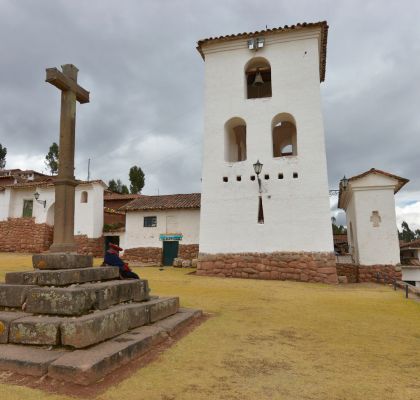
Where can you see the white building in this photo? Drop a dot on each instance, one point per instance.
(369, 203)
(410, 258)
(19, 210)
(161, 228)
(262, 102)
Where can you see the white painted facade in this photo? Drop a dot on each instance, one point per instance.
(229, 210)
(371, 221)
(89, 217)
(171, 221)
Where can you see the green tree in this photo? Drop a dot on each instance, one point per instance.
(337, 230)
(406, 234)
(124, 189)
(3, 152)
(136, 176)
(112, 186)
(51, 159)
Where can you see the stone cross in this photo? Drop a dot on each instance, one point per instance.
(65, 182)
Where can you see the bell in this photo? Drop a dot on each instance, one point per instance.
(258, 81)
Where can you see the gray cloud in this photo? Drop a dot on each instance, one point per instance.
(139, 61)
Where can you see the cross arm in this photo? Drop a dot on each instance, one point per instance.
(62, 82)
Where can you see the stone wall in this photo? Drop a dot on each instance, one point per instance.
(188, 251)
(92, 246)
(379, 273)
(144, 255)
(369, 273)
(25, 236)
(351, 271)
(302, 266)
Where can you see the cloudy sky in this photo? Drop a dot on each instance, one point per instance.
(138, 60)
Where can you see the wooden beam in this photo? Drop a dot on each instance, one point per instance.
(62, 82)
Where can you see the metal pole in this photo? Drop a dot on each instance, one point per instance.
(406, 291)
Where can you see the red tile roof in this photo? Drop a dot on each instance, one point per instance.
(324, 34)
(164, 202)
(45, 183)
(415, 244)
(119, 196)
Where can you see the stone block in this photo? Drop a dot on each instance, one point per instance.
(173, 324)
(80, 299)
(42, 330)
(62, 277)
(101, 325)
(60, 301)
(14, 295)
(5, 320)
(27, 360)
(87, 366)
(162, 308)
(61, 261)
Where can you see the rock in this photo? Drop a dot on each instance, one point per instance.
(6, 318)
(342, 279)
(178, 321)
(177, 262)
(162, 308)
(186, 263)
(194, 263)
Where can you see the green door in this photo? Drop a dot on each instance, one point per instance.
(170, 251)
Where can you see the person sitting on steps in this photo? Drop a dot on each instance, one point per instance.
(113, 259)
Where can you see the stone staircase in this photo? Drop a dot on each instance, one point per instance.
(80, 324)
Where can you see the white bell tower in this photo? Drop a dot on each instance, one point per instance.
(262, 103)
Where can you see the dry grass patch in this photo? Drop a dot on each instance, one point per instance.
(274, 340)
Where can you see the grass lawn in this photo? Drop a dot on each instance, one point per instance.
(273, 340)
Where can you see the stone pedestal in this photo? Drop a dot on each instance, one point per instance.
(82, 310)
(61, 261)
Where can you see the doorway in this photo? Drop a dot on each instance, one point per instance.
(170, 251)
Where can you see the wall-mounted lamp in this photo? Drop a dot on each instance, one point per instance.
(258, 168)
(344, 182)
(43, 202)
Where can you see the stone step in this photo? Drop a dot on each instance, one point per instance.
(80, 299)
(80, 332)
(87, 366)
(27, 360)
(91, 364)
(63, 277)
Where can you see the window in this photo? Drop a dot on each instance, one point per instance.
(28, 206)
(258, 78)
(235, 140)
(284, 135)
(84, 197)
(150, 222)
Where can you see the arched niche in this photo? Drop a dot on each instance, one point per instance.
(284, 135)
(235, 140)
(84, 197)
(258, 78)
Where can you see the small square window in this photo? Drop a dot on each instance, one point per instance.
(295, 175)
(150, 222)
(266, 176)
(225, 179)
(280, 176)
(252, 177)
(239, 178)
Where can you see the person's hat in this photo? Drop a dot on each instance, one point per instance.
(115, 247)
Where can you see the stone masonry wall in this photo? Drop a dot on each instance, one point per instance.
(299, 266)
(369, 273)
(91, 246)
(379, 273)
(188, 251)
(25, 236)
(144, 255)
(351, 271)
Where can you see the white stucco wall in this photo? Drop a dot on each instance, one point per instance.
(373, 244)
(411, 273)
(186, 222)
(89, 217)
(296, 211)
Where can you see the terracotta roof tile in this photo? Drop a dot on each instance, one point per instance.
(164, 202)
(119, 196)
(415, 244)
(324, 35)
